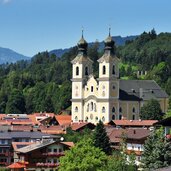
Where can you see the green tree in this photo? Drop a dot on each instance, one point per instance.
(151, 111)
(16, 102)
(157, 151)
(101, 139)
(83, 157)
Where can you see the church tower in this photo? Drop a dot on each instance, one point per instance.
(81, 69)
(109, 82)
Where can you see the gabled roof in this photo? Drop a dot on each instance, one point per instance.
(25, 134)
(134, 122)
(63, 119)
(81, 125)
(17, 165)
(137, 133)
(17, 145)
(140, 89)
(42, 144)
(81, 58)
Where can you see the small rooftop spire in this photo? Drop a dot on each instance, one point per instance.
(82, 32)
(109, 30)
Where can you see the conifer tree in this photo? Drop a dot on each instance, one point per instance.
(101, 139)
(157, 151)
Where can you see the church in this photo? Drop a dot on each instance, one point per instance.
(108, 97)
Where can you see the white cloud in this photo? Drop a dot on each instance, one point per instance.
(5, 1)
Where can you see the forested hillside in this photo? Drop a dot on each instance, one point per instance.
(43, 84)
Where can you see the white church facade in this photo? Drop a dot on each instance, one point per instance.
(107, 97)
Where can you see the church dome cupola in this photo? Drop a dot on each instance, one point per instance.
(109, 43)
(82, 45)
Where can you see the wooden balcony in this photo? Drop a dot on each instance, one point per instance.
(55, 154)
(136, 152)
(47, 164)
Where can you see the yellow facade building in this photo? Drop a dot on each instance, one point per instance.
(108, 98)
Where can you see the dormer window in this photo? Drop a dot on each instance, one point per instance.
(77, 70)
(104, 70)
(86, 70)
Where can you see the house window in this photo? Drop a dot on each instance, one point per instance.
(103, 109)
(113, 110)
(86, 70)
(113, 70)
(55, 150)
(132, 147)
(113, 117)
(77, 70)
(49, 150)
(76, 109)
(91, 88)
(104, 70)
(60, 150)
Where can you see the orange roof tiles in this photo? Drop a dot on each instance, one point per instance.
(17, 165)
(63, 119)
(70, 144)
(77, 126)
(134, 122)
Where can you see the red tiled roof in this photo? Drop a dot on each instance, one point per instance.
(137, 133)
(134, 122)
(21, 128)
(70, 144)
(79, 125)
(14, 144)
(17, 165)
(63, 119)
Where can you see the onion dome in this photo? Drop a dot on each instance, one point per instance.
(109, 43)
(82, 45)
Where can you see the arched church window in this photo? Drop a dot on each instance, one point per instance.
(91, 106)
(133, 117)
(86, 70)
(113, 70)
(103, 109)
(77, 70)
(103, 93)
(104, 70)
(95, 107)
(113, 110)
(120, 110)
(133, 109)
(120, 117)
(113, 117)
(76, 118)
(96, 119)
(103, 118)
(76, 109)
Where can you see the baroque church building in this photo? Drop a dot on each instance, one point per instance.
(108, 98)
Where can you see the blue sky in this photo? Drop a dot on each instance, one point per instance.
(32, 26)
